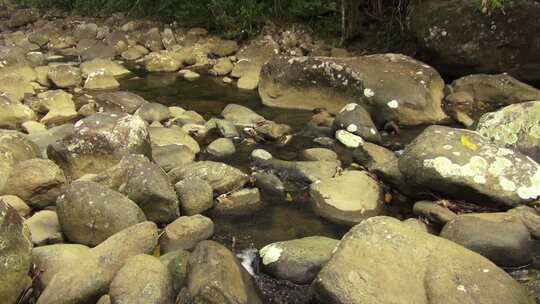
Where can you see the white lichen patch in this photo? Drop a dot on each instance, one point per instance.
(348, 139)
(393, 104)
(352, 128)
(349, 107)
(270, 253)
(368, 92)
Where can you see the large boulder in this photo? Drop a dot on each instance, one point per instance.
(464, 165)
(216, 277)
(380, 258)
(460, 39)
(348, 198)
(391, 87)
(221, 177)
(99, 142)
(15, 254)
(89, 213)
(516, 126)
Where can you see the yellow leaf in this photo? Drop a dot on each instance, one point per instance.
(289, 197)
(465, 141)
(157, 252)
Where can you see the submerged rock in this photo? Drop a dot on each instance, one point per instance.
(397, 257)
(465, 165)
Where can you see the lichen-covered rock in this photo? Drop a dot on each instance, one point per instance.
(15, 254)
(356, 120)
(299, 260)
(461, 39)
(221, 177)
(516, 126)
(390, 87)
(37, 181)
(347, 199)
(99, 142)
(89, 213)
(146, 184)
(379, 258)
(465, 165)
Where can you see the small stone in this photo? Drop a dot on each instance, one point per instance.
(221, 148)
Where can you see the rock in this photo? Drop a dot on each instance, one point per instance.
(37, 181)
(17, 146)
(529, 217)
(188, 117)
(356, 120)
(162, 61)
(270, 185)
(92, 275)
(241, 116)
(470, 43)
(43, 139)
(239, 203)
(249, 81)
(15, 256)
(273, 131)
(464, 165)
(221, 177)
(123, 102)
(15, 89)
(299, 260)
(22, 208)
(433, 212)
(99, 142)
(222, 48)
(315, 154)
(420, 264)
(172, 156)
(13, 114)
(22, 17)
(348, 139)
(176, 262)
(215, 276)
(89, 213)
(146, 184)
(152, 39)
(85, 31)
(103, 65)
(100, 50)
(168, 38)
(101, 80)
(32, 127)
(195, 195)
(185, 233)
(59, 106)
(155, 287)
(227, 129)
(44, 228)
(297, 171)
(152, 112)
(173, 136)
(370, 81)
(474, 95)
(348, 199)
(105, 299)
(221, 148)
(223, 67)
(135, 52)
(260, 155)
(499, 237)
(65, 76)
(515, 126)
(189, 75)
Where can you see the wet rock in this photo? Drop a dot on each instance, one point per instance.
(172, 156)
(370, 81)
(195, 195)
(58, 105)
(474, 95)
(223, 67)
(215, 276)
(221, 148)
(15, 256)
(315, 154)
(241, 116)
(185, 233)
(516, 127)
(22, 208)
(162, 61)
(420, 264)
(299, 260)
(176, 262)
(221, 177)
(123, 102)
(103, 65)
(355, 119)
(44, 228)
(469, 44)
(37, 181)
(89, 213)
(155, 287)
(65, 76)
(13, 114)
(498, 236)
(239, 203)
(99, 142)
(222, 48)
(101, 80)
(529, 217)
(173, 136)
(92, 276)
(433, 212)
(347, 199)
(465, 165)
(135, 52)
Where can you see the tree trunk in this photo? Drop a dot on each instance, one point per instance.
(350, 19)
